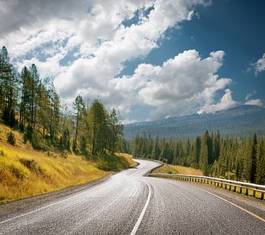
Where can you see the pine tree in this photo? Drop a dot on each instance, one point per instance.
(26, 103)
(204, 155)
(247, 161)
(79, 107)
(197, 151)
(260, 176)
(8, 89)
(156, 149)
(115, 131)
(253, 159)
(98, 127)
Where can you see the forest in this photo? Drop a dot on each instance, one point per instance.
(234, 158)
(30, 104)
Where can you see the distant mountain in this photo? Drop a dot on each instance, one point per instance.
(243, 120)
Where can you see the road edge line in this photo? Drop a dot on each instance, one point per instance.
(67, 197)
(140, 218)
(235, 205)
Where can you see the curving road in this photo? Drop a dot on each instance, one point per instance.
(128, 203)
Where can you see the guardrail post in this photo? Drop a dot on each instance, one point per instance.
(251, 192)
(258, 194)
(238, 189)
(244, 190)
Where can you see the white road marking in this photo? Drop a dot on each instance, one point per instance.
(69, 197)
(33, 211)
(235, 205)
(136, 226)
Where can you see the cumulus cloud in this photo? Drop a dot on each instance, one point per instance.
(259, 66)
(255, 102)
(85, 23)
(226, 102)
(181, 85)
(95, 29)
(98, 66)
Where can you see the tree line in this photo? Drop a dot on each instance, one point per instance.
(31, 104)
(227, 157)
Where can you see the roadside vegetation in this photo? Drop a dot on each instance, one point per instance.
(45, 146)
(225, 157)
(26, 173)
(175, 169)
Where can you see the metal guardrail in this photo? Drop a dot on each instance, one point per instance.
(248, 189)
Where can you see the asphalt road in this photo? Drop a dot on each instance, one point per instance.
(128, 203)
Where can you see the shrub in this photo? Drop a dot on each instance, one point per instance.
(31, 165)
(2, 153)
(38, 142)
(108, 162)
(18, 172)
(11, 139)
(64, 154)
(51, 154)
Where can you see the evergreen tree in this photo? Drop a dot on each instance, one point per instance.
(26, 106)
(204, 155)
(253, 159)
(155, 150)
(79, 107)
(115, 131)
(98, 127)
(196, 153)
(260, 176)
(8, 89)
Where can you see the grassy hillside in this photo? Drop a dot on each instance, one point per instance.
(25, 172)
(4, 130)
(173, 169)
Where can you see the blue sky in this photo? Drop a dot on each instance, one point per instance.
(149, 59)
(237, 27)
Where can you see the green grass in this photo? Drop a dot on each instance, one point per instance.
(175, 169)
(117, 162)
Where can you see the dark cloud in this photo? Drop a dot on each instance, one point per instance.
(15, 14)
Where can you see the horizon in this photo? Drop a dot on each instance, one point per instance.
(198, 113)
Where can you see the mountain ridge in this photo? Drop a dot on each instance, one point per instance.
(244, 120)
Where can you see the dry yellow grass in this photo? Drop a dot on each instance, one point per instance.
(175, 169)
(26, 173)
(19, 138)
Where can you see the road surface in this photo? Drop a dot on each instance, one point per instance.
(129, 203)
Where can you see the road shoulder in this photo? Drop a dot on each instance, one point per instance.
(31, 203)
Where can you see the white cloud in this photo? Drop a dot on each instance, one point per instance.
(255, 102)
(184, 84)
(226, 102)
(259, 66)
(95, 73)
(181, 85)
